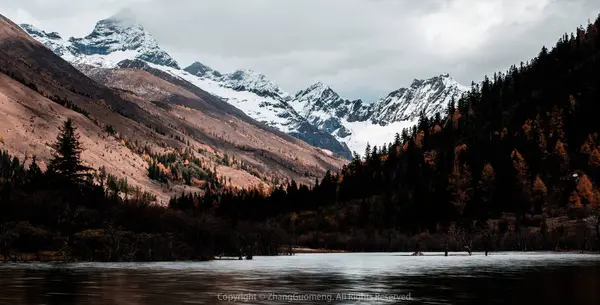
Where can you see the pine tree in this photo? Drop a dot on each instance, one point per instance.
(586, 191)
(66, 160)
(539, 193)
(459, 183)
(368, 151)
(521, 180)
(486, 186)
(397, 139)
(451, 107)
(34, 172)
(561, 156)
(574, 200)
(594, 159)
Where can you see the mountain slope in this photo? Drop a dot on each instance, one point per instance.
(33, 84)
(317, 115)
(271, 111)
(119, 39)
(141, 115)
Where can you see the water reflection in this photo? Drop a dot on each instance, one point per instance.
(498, 279)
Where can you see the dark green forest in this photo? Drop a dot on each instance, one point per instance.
(514, 164)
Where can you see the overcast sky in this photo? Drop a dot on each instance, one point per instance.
(362, 48)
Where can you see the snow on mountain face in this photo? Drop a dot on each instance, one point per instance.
(270, 110)
(317, 115)
(319, 101)
(120, 35)
(52, 41)
(431, 96)
(241, 80)
(249, 80)
(324, 108)
(357, 124)
(113, 40)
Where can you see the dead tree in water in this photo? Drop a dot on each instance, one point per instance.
(446, 249)
(241, 238)
(417, 250)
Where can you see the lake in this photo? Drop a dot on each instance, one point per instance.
(362, 278)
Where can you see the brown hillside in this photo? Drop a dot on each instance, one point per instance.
(226, 132)
(39, 90)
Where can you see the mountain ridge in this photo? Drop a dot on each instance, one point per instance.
(127, 117)
(317, 114)
(264, 100)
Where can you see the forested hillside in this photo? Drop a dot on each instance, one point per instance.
(514, 164)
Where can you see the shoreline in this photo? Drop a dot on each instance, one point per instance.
(33, 258)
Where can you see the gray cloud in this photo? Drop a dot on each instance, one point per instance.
(362, 48)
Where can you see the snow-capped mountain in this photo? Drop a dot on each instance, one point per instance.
(119, 39)
(52, 41)
(113, 40)
(356, 123)
(317, 115)
(319, 99)
(324, 108)
(263, 101)
(405, 104)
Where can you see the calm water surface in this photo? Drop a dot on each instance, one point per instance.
(383, 278)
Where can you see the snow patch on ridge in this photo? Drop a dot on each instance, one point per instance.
(263, 109)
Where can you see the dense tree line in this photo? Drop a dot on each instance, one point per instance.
(514, 164)
(71, 212)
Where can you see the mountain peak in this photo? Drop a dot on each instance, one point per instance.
(430, 95)
(319, 98)
(120, 37)
(51, 40)
(417, 83)
(238, 74)
(32, 30)
(316, 91)
(444, 78)
(258, 83)
(319, 86)
(202, 70)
